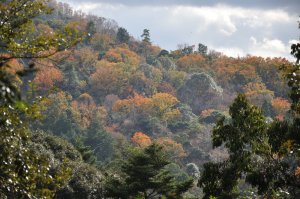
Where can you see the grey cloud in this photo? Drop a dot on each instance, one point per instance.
(292, 6)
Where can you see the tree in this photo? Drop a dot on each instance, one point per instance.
(91, 30)
(23, 172)
(141, 139)
(146, 36)
(202, 49)
(145, 176)
(172, 148)
(123, 35)
(100, 141)
(245, 137)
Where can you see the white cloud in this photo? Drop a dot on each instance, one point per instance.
(225, 28)
(269, 48)
(231, 51)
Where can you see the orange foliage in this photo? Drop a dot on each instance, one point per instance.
(190, 62)
(281, 106)
(13, 66)
(141, 139)
(47, 76)
(225, 68)
(137, 103)
(122, 54)
(297, 171)
(174, 149)
(109, 78)
(161, 105)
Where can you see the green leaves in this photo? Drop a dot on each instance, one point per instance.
(144, 174)
(245, 137)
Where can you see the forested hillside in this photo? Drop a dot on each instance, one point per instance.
(88, 111)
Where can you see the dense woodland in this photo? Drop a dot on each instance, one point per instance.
(88, 111)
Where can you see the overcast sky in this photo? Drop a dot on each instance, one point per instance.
(234, 27)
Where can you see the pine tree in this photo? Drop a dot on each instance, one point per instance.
(99, 141)
(146, 36)
(144, 175)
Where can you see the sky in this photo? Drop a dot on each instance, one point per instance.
(234, 27)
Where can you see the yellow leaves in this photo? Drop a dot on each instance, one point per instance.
(190, 62)
(164, 106)
(141, 139)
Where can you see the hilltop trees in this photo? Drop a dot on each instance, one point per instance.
(146, 36)
(122, 35)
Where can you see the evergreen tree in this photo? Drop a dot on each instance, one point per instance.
(202, 49)
(146, 36)
(91, 30)
(122, 35)
(100, 141)
(144, 175)
(245, 137)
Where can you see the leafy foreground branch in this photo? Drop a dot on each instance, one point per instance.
(24, 173)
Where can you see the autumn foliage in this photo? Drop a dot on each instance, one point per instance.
(174, 149)
(141, 139)
(281, 106)
(47, 77)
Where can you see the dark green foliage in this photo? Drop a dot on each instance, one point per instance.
(295, 51)
(86, 152)
(146, 36)
(91, 30)
(163, 53)
(268, 109)
(144, 175)
(186, 50)
(245, 138)
(278, 133)
(202, 49)
(123, 35)
(99, 141)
